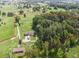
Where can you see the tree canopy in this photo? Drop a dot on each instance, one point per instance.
(59, 29)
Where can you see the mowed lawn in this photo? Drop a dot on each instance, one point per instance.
(7, 47)
(7, 30)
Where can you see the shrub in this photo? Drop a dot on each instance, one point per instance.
(24, 15)
(21, 12)
(3, 14)
(0, 12)
(0, 19)
(10, 14)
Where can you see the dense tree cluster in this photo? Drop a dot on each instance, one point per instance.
(27, 6)
(66, 6)
(36, 8)
(41, 8)
(57, 32)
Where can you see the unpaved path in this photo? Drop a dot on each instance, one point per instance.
(4, 41)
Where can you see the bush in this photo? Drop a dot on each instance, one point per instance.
(0, 19)
(17, 18)
(3, 14)
(0, 12)
(21, 12)
(10, 14)
(24, 15)
(55, 8)
(49, 8)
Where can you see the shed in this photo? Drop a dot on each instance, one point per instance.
(18, 52)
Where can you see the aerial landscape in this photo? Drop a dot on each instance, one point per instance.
(39, 28)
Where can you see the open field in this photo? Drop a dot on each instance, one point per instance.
(8, 31)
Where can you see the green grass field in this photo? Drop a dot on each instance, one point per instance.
(7, 31)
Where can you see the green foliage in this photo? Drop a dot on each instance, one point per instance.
(0, 12)
(37, 8)
(73, 52)
(3, 14)
(59, 30)
(10, 14)
(21, 12)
